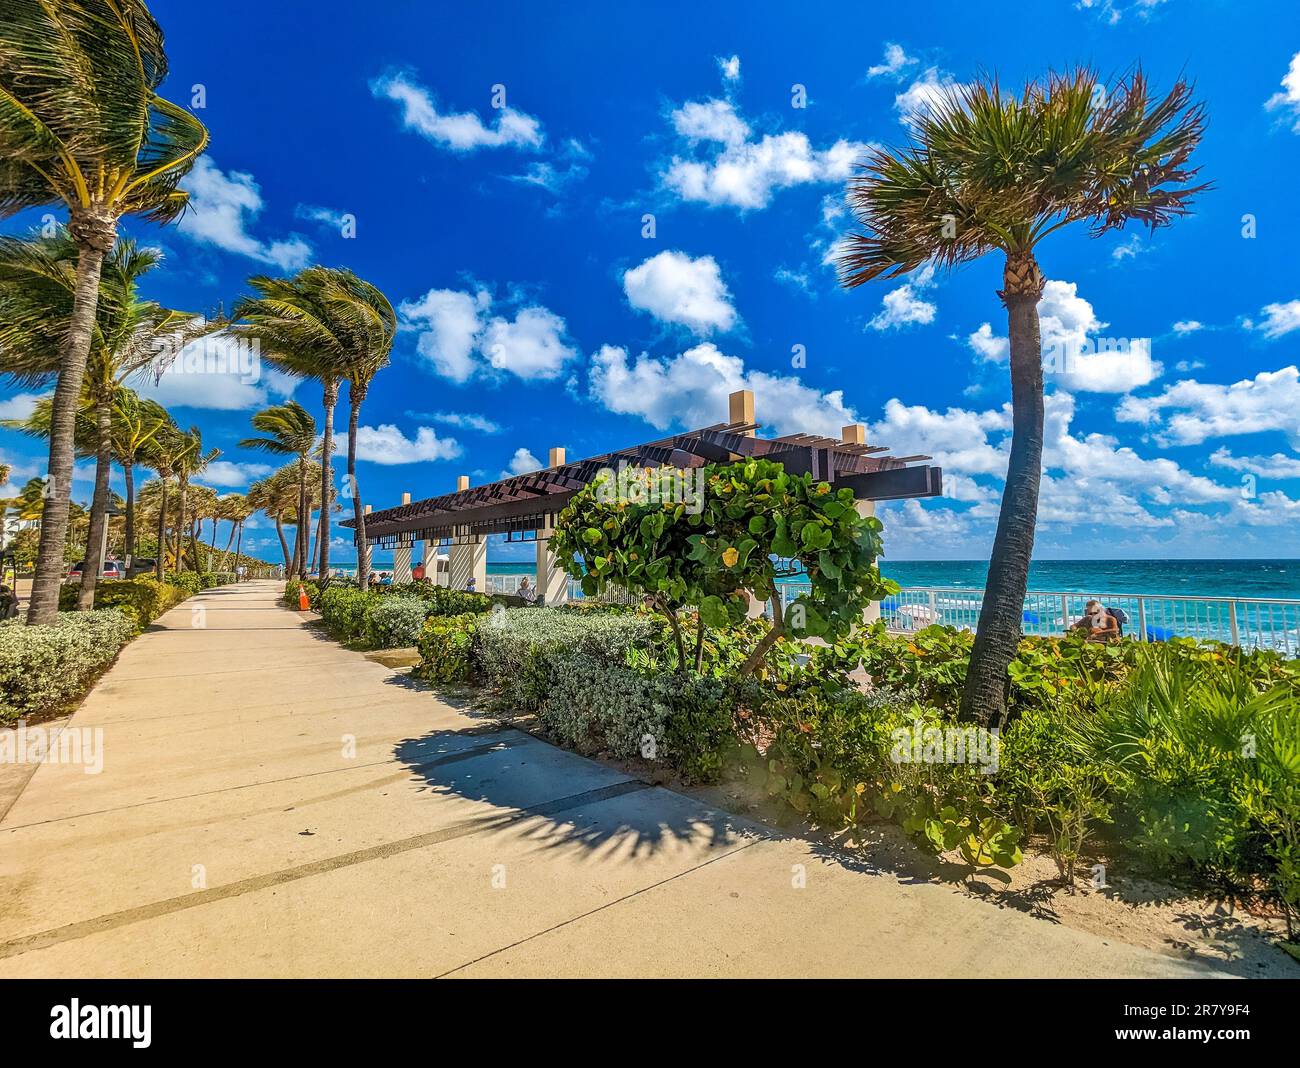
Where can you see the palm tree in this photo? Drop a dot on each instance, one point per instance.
(327, 324)
(136, 422)
(377, 326)
(37, 293)
(190, 461)
(81, 125)
(290, 431)
(234, 508)
(989, 171)
(164, 454)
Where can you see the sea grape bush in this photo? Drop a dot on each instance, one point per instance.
(716, 558)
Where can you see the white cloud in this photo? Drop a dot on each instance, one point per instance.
(522, 462)
(449, 323)
(1130, 249)
(223, 206)
(1073, 354)
(226, 473)
(675, 288)
(531, 345)
(793, 278)
(905, 306)
(19, 406)
(387, 445)
(1288, 100)
(930, 90)
(895, 60)
(1279, 465)
(1279, 319)
(1202, 410)
(461, 338)
(730, 68)
(465, 420)
(691, 389)
(739, 172)
(459, 131)
(1188, 326)
(710, 120)
(218, 374)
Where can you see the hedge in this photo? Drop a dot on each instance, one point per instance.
(43, 668)
(143, 598)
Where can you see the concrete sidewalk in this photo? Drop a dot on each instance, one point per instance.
(274, 805)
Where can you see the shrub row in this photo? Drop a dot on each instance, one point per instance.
(43, 668)
(389, 617)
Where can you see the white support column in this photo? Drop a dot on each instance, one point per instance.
(402, 555)
(367, 550)
(856, 434)
(552, 582)
(469, 561)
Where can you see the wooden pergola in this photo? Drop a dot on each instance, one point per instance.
(529, 503)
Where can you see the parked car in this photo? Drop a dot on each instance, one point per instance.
(112, 569)
(142, 565)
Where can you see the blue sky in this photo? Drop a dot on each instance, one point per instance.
(498, 171)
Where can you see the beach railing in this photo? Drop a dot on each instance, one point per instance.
(1249, 622)
(510, 584)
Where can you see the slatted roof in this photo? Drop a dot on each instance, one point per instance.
(529, 502)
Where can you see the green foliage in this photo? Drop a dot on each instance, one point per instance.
(441, 600)
(294, 586)
(189, 581)
(45, 667)
(751, 513)
(446, 646)
(143, 598)
(343, 608)
(393, 622)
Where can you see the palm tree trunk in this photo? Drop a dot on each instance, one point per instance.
(984, 697)
(239, 540)
(284, 543)
(128, 471)
(327, 475)
(180, 524)
(304, 519)
(94, 559)
(162, 529)
(94, 235)
(357, 394)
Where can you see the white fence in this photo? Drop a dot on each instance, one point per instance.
(510, 584)
(1252, 623)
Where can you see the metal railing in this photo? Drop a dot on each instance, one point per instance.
(510, 584)
(1249, 622)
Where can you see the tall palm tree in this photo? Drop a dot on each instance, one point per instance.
(37, 293)
(136, 422)
(81, 125)
(164, 454)
(290, 431)
(991, 171)
(376, 327)
(327, 324)
(191, 460)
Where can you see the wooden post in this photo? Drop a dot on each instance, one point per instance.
(740, 407)
(462, 483)
(557, 456)
(854, 434)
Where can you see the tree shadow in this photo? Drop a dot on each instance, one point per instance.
(554, 799)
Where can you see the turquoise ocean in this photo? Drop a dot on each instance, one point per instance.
(1172, 578)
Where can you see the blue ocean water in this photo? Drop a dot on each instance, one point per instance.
(1173, 578)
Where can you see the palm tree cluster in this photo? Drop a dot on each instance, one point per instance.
(83, 127)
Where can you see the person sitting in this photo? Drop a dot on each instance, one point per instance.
(1099, 624)
(526, 591)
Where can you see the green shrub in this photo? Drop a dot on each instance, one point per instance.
(393, 622)
(293, 586)
(43, 668)
(210, 579)
(446, 647)
(144, 598)
(343, 608)
(441, 600)
(517, 648)
(190, 581)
